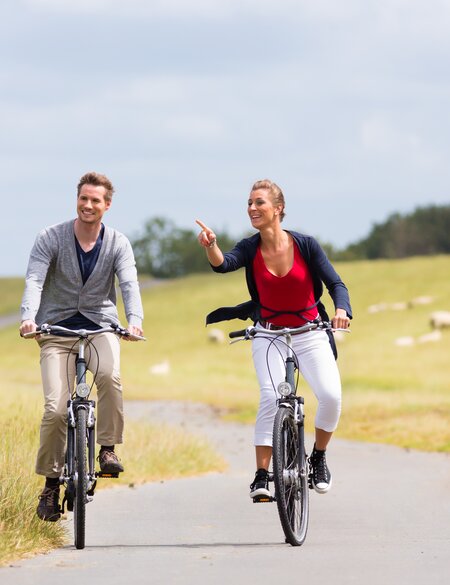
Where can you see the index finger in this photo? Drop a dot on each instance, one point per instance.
(201, 224)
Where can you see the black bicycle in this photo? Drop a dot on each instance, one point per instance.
(79, 476)
(290, 460)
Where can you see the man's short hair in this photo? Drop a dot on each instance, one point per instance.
(99, 181)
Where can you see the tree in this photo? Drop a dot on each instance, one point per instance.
(165, 251)
(425, 231)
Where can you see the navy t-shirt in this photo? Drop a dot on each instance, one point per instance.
(86, 262)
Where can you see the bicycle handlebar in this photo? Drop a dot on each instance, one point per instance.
(46, 329)
(240, 333)
(251, 332)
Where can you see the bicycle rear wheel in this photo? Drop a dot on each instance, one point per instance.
(291, 482)
(79, 509)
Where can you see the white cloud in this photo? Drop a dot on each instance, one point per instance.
(384, 137)
(203, 9)
(394, 17)
(379, 135)
(196, 128)
(343, 102)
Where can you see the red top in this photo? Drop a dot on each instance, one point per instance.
(292, 292)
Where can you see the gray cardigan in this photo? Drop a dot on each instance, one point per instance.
(54, 289)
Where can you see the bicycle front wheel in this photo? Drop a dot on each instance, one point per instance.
(291, 482)
(79, 509)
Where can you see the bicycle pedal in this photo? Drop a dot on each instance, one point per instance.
(107, 475)
(263, 499)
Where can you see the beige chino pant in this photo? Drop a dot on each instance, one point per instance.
(58, 374)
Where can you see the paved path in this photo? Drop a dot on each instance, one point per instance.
(386, 521)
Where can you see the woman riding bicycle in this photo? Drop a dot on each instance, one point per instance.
(285, 273)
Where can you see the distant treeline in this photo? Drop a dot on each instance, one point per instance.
(164, 250)
(424, 232)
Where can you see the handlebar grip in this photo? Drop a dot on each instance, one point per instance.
(40, 329)
(29, 335)
(240, 333)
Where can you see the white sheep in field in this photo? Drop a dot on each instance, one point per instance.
(423, 300)
(161, 369)
(216, 336)
(430, 337)
(440, 319)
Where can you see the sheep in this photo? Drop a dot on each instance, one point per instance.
(440, 319)
(216, 336)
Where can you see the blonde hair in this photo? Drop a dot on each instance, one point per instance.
(275, 192)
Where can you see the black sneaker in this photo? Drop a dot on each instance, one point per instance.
(320, 476)
(260, 485)
(109, 462)
(48, 507)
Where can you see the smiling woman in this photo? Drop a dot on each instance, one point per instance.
(285, 273)
(257, 202)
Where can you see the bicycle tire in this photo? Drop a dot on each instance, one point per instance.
(68, 469)
(291, 486)
(79, 509)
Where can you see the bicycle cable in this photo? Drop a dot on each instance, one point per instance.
(70, 351)
(272, 341)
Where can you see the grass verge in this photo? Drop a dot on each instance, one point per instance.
(173, 454)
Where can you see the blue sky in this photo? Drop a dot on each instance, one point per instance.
(184, 104)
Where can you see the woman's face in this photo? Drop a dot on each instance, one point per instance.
(261, 209)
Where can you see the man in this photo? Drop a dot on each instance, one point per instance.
(70, 281)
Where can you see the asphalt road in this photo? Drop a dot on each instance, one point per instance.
(385, 521)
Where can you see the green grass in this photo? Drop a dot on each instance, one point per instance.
(11, 290)
(392, 394)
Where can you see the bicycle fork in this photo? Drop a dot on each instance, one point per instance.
(82, 391)
(70, 478)
(299, 414)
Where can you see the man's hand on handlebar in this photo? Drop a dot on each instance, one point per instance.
(133, 330)
(27, 326)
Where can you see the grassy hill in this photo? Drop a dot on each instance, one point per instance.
(11, 290)
(394, 394)
(398, 394)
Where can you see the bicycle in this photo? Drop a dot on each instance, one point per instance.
(79, 476)
(291, 474)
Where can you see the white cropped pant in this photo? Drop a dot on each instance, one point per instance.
(317, 366)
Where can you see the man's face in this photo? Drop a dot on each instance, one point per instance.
(91, 204)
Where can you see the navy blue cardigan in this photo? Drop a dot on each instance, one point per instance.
(320, 268)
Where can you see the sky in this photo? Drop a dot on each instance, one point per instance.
(184, 104)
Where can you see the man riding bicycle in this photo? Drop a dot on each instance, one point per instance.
(70, 282)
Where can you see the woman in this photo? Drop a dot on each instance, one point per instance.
(285, 272)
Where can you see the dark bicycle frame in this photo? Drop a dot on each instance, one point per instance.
(79, 401)
(295, 405)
